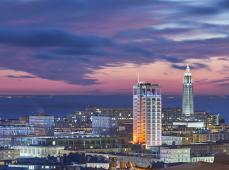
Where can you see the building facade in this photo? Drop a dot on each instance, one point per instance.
(39, 151)
(207, 148)
(208, 158)
(174, 155)
(104, 125)
(42, 124)
(15, 130)
(147, 114)
(173, 140)
(41, 121)
(187, 100)
(189, 124)
(9, 154)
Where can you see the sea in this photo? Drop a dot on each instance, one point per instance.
(16, 106)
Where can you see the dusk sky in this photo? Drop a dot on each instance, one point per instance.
(99, 46)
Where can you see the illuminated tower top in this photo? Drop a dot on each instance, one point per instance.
(187, 68)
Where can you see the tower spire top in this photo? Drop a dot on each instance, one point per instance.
(187, 68)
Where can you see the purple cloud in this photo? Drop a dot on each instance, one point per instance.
(67, 40)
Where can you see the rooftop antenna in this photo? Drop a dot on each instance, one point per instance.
(138, 77)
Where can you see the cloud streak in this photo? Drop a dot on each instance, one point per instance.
(69, 40)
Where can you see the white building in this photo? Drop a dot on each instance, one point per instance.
(147, 114)
(173, 140)
(174, 155)
(190, 124)
(187, 100)
(209, 159)
(39, 151)
(97, 165)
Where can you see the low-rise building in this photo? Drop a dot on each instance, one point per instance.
(207, 148)
(5, 142)
(9, 154)
(218, 136)
(199, 124)
(213, 119)
(209, 159)
(174, 155)
(43, 124)
(199, 137)
(39, 151)
(76, 142)
(174, 140)
(15, 130)
(89, 142)
(41, 120)
(104, 125)
(29, 140)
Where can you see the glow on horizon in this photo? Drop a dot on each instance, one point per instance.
(120, 79)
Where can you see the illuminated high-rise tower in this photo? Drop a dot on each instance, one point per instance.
(147, 114)
(187, 101)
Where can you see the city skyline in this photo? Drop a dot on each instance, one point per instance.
(85, 47)
(114, 84)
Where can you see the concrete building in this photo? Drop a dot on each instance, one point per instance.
(97, 165)
(76, 142)
(9, 154)
(199, 137)
(5, 142)
(190, 124)
(221, 162)
(207, 148)
(43, 125)
(104, 125)
(41, 121)
(218, 136)
(15, 130)
(39, 151)
(187, 100)
(102, 143)
(209, 158)
(174, 140)
(210, 137)
(29, 140)
(174, 155)
(147, 128)
(213, 119)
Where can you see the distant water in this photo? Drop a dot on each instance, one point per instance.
(15, 106)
